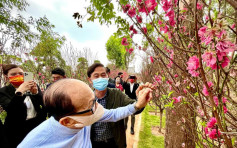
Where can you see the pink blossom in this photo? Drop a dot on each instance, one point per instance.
(202, 31)
(139, 47)
(211, 122)
(215, 98)
(158, 78)
(165, 29)
(170, 14)
(206, 130)
(232, 26)
(176, 75)
(199, 6)
(126, 8)
(183, 144)
(166, 5)
(142, 8)
(213, 134)
(185, 91)
(152, 60)
(150, 5)
(206, 17)
(224, 100)
(221, 33)
(124, 42)
(144, 30)
(173, 111)
(220, 55)
(225, 109)
(40, 74)
(185, 9)
(200, 112)
(43, 77)
(139, 19)
(193, 64)
(160, 22)
(131, 28)
(160, 40)
(172, 22)
(190, 44)
(132, 12)
(205, 91)
(225, 62)
(134, 31)
(36, 59)
(183, 28)
(225, 46)
(210, 59)
(177, 100)
(206, 40)
(130, 50)
(170, 87)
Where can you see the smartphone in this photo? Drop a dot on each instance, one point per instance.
(28, 76)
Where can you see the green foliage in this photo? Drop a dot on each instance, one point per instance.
(47, 50)
(16, 27)
(116, 52)
(102, 10)
(81, 71)
(146, 138)
(3, 115)
(97, 61)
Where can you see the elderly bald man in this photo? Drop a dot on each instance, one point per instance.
(74, 108)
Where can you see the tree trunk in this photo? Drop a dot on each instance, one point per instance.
(179, 132)
(161, 115)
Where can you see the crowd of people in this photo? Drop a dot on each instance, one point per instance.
(70, 113)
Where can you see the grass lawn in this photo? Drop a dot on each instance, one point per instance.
(146, 138)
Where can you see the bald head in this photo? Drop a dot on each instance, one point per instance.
(68, 96)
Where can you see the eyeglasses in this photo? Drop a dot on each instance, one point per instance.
(89, 110)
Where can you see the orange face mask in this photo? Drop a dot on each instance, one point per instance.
(16, 80)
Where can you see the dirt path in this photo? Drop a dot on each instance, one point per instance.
(132, 140)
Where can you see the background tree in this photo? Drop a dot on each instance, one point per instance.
(200, 47)
(119, 55)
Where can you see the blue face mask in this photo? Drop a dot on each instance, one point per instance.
(100, 83)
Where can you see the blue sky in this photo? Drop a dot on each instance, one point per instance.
(92, 35)
(59, 12)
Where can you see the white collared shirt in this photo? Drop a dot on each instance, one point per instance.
(31, 113)
(131, 87)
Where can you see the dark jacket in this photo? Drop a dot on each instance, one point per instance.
(111, 85)
(132, 94)
(111, 81)
(115, 98)
(16, 126)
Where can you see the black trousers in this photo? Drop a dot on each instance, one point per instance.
(132, 121)
(109, 143)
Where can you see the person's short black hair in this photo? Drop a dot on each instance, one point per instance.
(57, 102)
(120, 73)
(92, 68)
(107, 70)
(132, 77)
(58, 71)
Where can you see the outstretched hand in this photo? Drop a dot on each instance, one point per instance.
(146, 85)
(144, 95)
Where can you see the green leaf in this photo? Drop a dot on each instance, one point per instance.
(196, 94)
(170, 93)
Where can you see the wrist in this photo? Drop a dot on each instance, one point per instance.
(19, 93)
(136, 106)
(19, 90)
